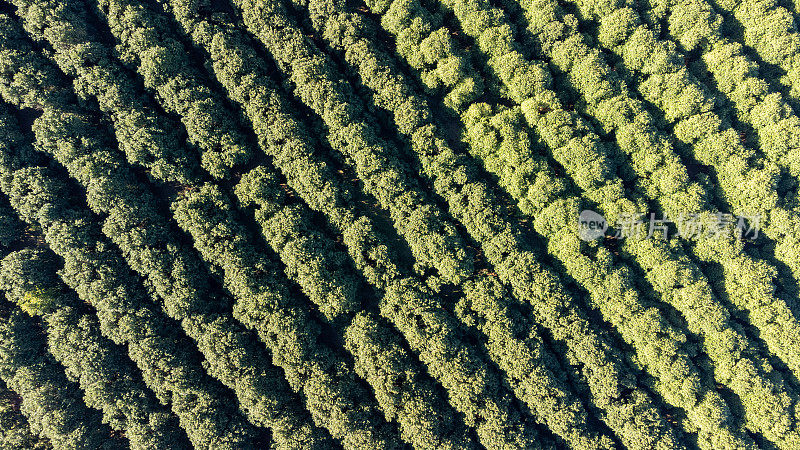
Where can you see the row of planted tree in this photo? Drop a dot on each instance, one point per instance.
(257, 224)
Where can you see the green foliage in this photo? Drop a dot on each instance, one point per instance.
(15, 431)
(97, 272)
(523, 78)
(145, 45)
(108, 378)
(418, 408)
(433, 239)
(311, 258)
(328, 223)
(153, 250)
(146, 138)
(10, 227)
(747, 177)
(500, 155)
(37, 301)
(283, 323)
(51, 403)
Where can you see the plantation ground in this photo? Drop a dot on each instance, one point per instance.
(452, 224)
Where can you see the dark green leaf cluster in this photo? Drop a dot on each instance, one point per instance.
(265, 304)
(52, 404)
(101, 368)
(97, 272)
(352, 224)
(157, 253)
